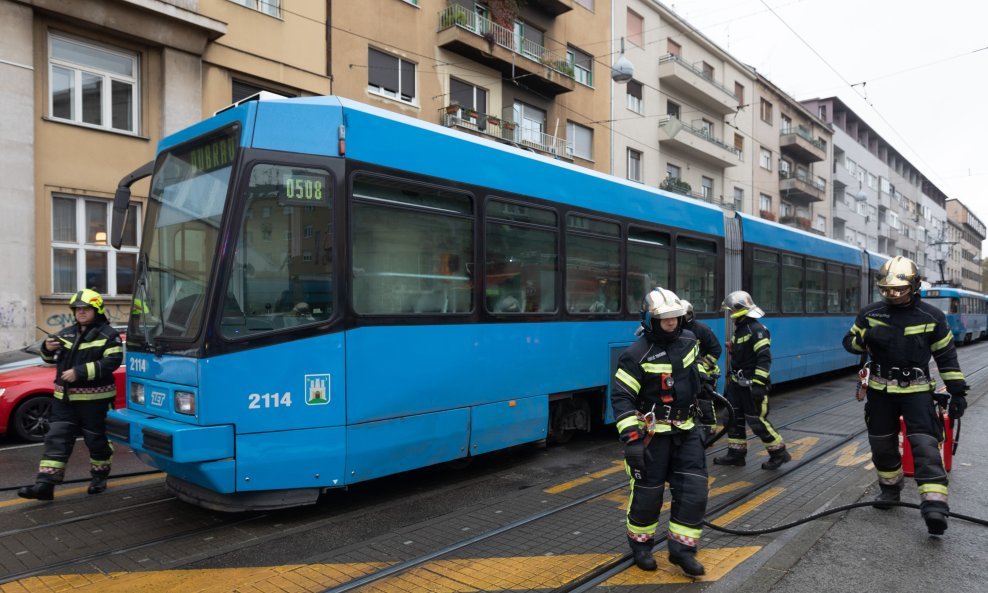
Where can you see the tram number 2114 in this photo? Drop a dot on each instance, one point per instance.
(258, 401)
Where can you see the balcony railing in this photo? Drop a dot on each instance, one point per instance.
(502, 129)
(698, 71)
(806, 178)
(805, 135)
(455, 15)
(701, 133)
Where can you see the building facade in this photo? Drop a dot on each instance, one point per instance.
(970, 233)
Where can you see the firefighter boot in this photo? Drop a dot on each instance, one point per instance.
(641, 552)
(733, 457)
(97, 484)
(40, 491)
(684, 557)
(776, 458)
(936, 522)
(888, 494)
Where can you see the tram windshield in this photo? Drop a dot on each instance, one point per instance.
(188, 195)
(945, 304)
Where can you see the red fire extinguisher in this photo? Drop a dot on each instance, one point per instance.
(948, 446)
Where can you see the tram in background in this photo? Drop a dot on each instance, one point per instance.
(332, 293)
(967, 311)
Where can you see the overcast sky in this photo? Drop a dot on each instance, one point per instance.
(924, 66)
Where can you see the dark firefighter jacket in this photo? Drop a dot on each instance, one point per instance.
(905, 337)
(709, 344)
(94, 354)
(751, 351)
(638, 381)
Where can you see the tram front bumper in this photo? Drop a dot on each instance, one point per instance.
(200, 454)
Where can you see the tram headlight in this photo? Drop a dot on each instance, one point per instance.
(185, 402)
(137, 393)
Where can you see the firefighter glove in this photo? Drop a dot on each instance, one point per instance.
(634, 456)
(958, 403)
(941, 398)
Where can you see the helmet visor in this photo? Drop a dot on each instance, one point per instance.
(894, 292)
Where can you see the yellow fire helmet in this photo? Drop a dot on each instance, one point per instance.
(740, 304)
(87, 298)
(898, 280)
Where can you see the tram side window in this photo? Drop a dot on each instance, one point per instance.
(696, 280)
(283, 265)
(522, 259)
(835, 277)
(765, 280)
(593, 265)
(412, 249)
(792, 284)
(852, 277)
(814, 287)
(649, 260)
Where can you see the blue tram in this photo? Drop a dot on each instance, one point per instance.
(967, 311)
(331, 293)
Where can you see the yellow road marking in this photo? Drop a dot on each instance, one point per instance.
(60, 492)
(717, 562)
(749, 506)
(849, 456)
(618, 467)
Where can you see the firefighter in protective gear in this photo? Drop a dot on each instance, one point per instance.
(653, 396)
(85, 355)
(707, 366)
(748, 384)
(900, 334)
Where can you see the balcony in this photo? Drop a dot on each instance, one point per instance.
(799, 222)
(552, 7)
(686, 79)
(697, 143)
(799, 188)
(802, 146)
(505, 131)
(484, 41)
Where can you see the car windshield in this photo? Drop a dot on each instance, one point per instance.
(187, 199)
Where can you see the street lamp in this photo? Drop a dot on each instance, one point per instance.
(623, 69)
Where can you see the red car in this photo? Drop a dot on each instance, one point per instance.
(26, 385)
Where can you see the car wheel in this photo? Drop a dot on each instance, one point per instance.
(30, 420)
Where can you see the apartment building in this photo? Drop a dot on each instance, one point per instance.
(970, 232)
(791, 172)
(680, 123)
(880, 200)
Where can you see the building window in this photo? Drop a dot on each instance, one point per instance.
(635, 96)
(739, 92)
(765, 158)
(766, 111)
(270, 7)
(81, 253)
(739, 143)
(674, 48)
(634, 165)
(672, 109)
(708, 71)
(532, 120)
(673, 171)
(738, 199)
(765, 203)
(93, 85)
(582, 64)
(636, 25)
(707, 188)
(707, 127)
(786, 124)
(390, 76)
(467, 96)
(242, 90)
(579, 140)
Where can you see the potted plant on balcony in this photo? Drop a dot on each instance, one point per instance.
(767, 214)
(469, 113)
(493, 120)
(453, 108)
(508, 125)
(504, 12)
(677, 185)
(488, 36)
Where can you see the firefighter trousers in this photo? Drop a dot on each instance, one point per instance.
(679, 459)
(753, 411)
(65, 422)
(924, 431)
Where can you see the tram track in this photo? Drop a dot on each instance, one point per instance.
(584, 583)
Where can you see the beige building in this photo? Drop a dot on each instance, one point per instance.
(91, 86)
(969, 232)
